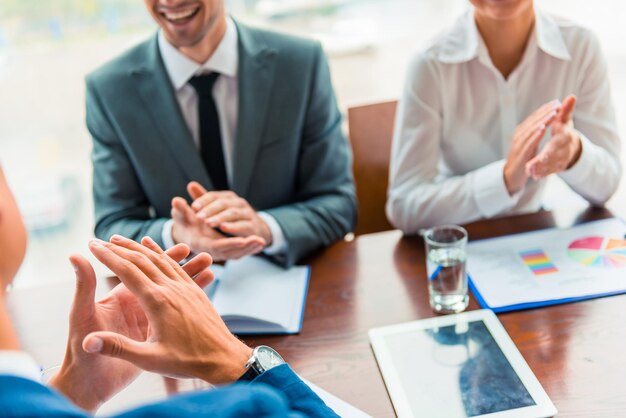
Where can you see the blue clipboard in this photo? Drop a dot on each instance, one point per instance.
(539, 304)
(532, 305)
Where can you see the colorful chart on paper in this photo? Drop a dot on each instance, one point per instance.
(538, 262)
(598, 252)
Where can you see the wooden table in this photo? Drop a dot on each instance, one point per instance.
(380, 279)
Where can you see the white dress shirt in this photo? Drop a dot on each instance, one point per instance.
(457, 115)
(225, 61)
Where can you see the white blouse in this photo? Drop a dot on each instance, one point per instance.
(457, 115)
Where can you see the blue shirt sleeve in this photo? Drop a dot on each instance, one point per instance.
(299, 396)
(21, 398)
(277, 393)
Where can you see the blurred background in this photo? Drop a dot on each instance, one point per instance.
(47, 47)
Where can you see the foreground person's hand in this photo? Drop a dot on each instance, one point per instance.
(89, 380)
(187, 336)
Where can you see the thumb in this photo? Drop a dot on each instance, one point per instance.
(181, 210)
(85, 293)
(567, 108)
(195, 190)
(116, 345)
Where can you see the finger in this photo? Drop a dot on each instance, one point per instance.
(204, 278)
(177, 253)
(205, 199)
(198, 264)
(156, 264)
(533, 168)
(227, 248)
(550, 117)
(141, 261)
(530, 147)
(528, 132)
(218, 206)
(531, 150)
(239, 228)
(195, 190)
(238, 247)
(545, 163)
(134, 279)
(223, 244)
(541, 113)
(210, 197)
(185, 213)
(192, 268)
(179, 218)
(552, 162)
(85, 293)
(567, 110)
(196, 268)
(543, 110)
(229, 215)
(118, 346)
(541, 171)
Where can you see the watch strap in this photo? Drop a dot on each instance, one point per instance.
(249, 375)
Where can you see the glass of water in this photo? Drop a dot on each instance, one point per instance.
(445, 265)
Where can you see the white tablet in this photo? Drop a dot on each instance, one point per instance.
(461, 365)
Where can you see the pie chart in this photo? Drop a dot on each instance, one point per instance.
(598, 252)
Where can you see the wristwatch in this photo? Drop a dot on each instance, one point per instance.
(262, 359)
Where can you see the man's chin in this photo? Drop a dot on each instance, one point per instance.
(183, 41)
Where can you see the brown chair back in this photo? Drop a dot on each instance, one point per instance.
(371, 131)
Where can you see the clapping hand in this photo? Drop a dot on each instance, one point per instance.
(187, 337)
(526, 139)
(228, 212)
(201, 227)
(119, 312)
(564, 147)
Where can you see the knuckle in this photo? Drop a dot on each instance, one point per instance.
(161, 259)
(117, 346)
(156, 298)
(137, 258)
(126, 266)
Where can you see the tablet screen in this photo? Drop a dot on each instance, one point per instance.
(455, 370)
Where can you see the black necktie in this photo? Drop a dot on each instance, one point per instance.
(210, 135)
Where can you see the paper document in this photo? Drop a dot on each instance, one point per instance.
(254, 296)
(549, 266)
(341, 407)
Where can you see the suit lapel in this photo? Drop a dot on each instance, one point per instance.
(156, 91)
(256, 76)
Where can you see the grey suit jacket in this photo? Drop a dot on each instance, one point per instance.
(291, 158)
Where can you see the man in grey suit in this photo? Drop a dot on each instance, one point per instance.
(241, 120)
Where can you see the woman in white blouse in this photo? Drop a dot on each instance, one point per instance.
(505, 98)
